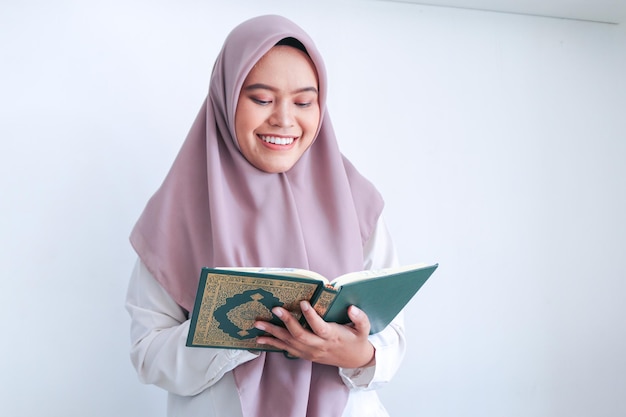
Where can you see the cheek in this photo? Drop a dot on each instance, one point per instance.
(238, 119)
(312, 121)
(244, 121)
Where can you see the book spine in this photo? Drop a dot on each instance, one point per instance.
(322, 301)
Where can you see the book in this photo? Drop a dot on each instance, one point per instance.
(230, 300)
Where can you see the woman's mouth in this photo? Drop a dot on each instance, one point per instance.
(276, 140)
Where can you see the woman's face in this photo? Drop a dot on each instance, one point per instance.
(278, 111)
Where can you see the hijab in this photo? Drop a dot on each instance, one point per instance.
(216, 209)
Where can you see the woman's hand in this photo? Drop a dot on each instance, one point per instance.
(341, 345)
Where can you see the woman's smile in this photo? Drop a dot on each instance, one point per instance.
(278, 140)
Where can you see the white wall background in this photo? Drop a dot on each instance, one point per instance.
(498, 140)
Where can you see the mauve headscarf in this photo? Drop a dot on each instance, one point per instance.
(216, 209)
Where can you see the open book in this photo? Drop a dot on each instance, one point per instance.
(230, 300)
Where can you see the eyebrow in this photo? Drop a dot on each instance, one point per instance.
(262, 86)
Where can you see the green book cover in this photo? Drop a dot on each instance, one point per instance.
(381, 297)
(230, 300)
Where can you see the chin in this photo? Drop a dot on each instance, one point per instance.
(275, 167)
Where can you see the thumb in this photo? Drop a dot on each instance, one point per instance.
(359, 319)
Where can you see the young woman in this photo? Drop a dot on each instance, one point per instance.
(260, 181)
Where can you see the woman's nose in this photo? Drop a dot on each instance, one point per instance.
(282, 116)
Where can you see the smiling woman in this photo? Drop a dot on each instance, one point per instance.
(278, 112)
(260, 181)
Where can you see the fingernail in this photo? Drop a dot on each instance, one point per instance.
(259, 326)
(356, 311)
(304, 305)
(278, 312)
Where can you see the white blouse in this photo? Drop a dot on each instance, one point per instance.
(200, 382)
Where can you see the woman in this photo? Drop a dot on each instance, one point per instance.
(260, 181)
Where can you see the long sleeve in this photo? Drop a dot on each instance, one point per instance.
(390, 343)
(159, 330)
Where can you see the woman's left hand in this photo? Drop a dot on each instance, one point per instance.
(341, 345)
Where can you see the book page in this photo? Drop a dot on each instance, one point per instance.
(285, 272)
(372, 273)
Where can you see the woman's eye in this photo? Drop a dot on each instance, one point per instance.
(303, 104)
(261, 102)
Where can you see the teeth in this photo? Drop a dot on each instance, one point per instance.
(277, 141)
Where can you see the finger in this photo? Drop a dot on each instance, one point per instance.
(277, 337)
(279, 345)
(292, 325)
(273, 342)
(315, 322)
(273, 330)
(293, 334)
(360, 320)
